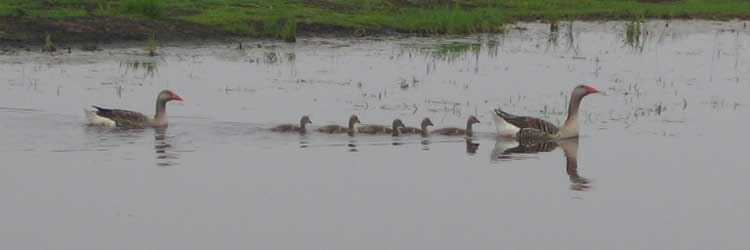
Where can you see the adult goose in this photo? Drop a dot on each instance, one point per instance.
(293, 127)
(525, 127)
(131, 119)
(394, 130)
(458, 131)
(422, 130)
(336, 129)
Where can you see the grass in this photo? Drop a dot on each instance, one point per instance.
(281, 19)
(287, 30)
(147, 8)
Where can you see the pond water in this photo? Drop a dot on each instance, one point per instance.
(659, 165)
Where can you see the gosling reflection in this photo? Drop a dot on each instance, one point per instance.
(352, 146)
(165, 154)
(425, 144)
(471, 147)
(510, 149)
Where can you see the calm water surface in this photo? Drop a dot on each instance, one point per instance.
(660, 164)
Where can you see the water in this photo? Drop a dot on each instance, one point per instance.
(660, 163)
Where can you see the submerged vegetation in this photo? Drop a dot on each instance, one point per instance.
(284, 19)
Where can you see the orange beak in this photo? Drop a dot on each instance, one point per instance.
(591, 90)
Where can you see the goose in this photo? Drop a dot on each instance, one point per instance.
(131, 119)
(457, 131)
(509, 125)
(336, 129)
(394, 130)
(293, 127)
(423, 130)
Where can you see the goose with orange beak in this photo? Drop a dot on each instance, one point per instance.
(524, 127)
(131, 119)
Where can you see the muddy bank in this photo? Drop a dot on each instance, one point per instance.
(90, 31)
(93, 32)
(81, 30)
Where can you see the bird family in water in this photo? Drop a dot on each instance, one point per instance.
(508, 125)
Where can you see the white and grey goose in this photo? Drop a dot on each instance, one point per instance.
(131, 119)
(525, 127)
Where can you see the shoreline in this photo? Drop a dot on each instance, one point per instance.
(49, 25)
(448, 43)
(180, 40)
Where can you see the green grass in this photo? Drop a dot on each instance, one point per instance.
(146, 8)
(282, 18)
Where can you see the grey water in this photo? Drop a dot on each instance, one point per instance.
(660, 163)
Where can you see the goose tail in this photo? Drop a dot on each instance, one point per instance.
(504, 128)
(93, 119)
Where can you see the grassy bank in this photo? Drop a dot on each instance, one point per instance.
(284, 19)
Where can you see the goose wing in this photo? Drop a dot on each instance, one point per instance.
(123, 118)
(526, 122)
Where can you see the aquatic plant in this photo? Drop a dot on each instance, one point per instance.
(554, 26)
(288, 31)
(149, 67)
(49, 46)
(151, 44)
(571, 38)
(634, 33)
(453, 51)
(554, 34)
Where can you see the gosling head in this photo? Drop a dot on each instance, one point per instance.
(427, 122)
(397, 123)
(354, 119)
(305, 120)
(473, 119)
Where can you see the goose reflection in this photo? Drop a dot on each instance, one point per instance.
(570, 149)
(104, 139)
(165, 155)
(512, 149)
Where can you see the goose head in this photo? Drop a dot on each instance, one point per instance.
(168, 95)
(584, 90)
